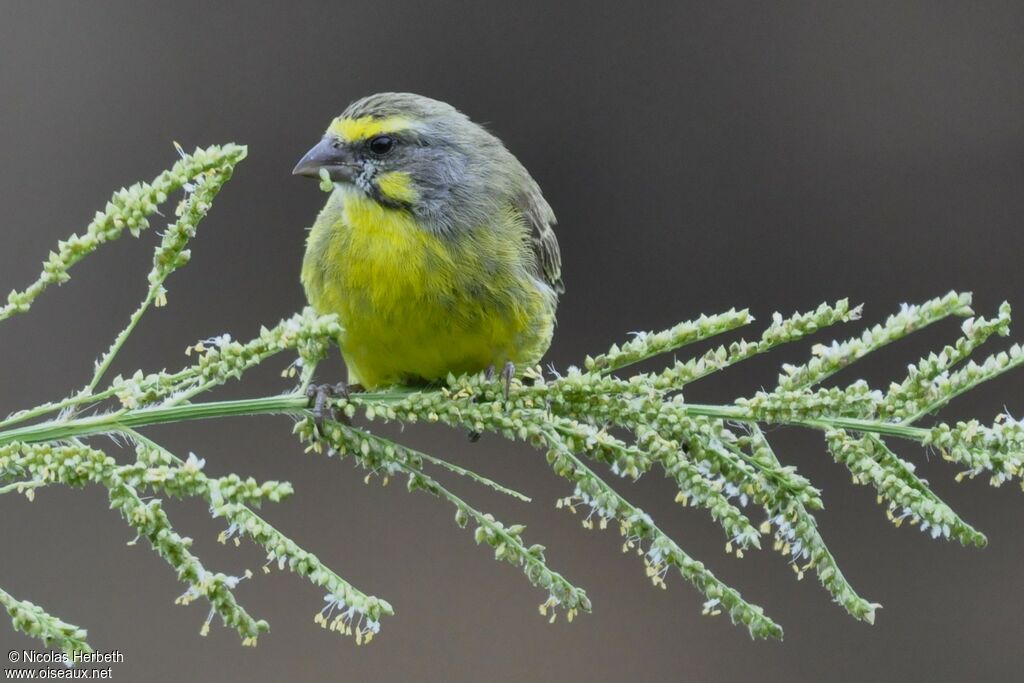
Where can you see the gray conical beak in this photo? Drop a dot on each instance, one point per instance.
(330, 155)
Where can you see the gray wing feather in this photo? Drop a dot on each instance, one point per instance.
(541, 219)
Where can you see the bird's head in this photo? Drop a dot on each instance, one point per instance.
(409, 152)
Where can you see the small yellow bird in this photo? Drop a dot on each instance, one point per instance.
(435, 248)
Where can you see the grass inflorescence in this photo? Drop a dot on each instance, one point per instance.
(594, 423)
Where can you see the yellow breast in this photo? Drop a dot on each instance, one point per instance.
(416, 305)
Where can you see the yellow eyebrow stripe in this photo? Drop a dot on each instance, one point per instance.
(353, 130)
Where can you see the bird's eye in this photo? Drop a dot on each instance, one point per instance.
(382, 144)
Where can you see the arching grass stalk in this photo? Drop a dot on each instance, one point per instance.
(593, 423)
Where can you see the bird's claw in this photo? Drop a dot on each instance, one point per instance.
(507, 373)
(320, 396)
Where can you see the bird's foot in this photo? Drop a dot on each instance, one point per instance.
(507, 373)
(320, 396)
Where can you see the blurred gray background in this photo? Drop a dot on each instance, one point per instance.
(701, 157)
